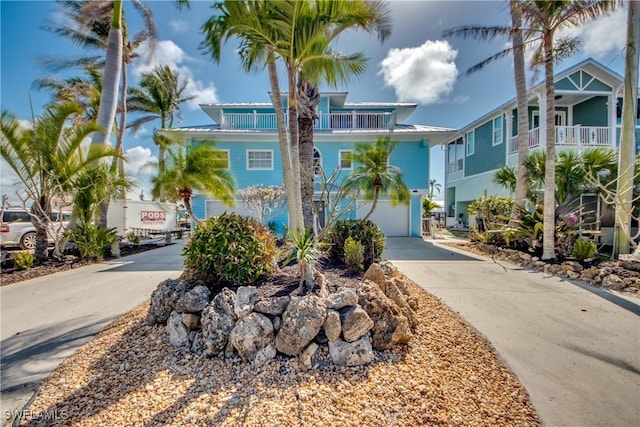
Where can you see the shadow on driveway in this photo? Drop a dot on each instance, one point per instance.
(416, 249)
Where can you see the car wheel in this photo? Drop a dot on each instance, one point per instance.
(28, 241)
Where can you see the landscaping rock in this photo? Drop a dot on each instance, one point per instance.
(342, 298)
(163, 300)
(194, 301)
(332, 325)
(197, 342)
(394, 293)
(351, 353)
(253, 338)
(375, 273)
(306, 357)
(301, 322)
(244, 300)
(355, 323)
(191, 321)
(218, 319)
(589, 273)
(178, 332)
(274, 306)
(613, 282)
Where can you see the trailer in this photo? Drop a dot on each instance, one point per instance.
(142, 218)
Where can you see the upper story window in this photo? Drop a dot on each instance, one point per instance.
(225, 161)
(497, 130)
(317, 162)
(471, 143)
(345, 159)
(259, 159)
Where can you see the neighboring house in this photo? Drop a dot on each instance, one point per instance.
(588, 110)
(247, 133)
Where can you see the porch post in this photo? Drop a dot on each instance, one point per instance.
(508, 130)
(613, 98)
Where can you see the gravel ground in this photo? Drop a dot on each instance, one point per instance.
(129, 375)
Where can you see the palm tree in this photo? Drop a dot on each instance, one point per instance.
(160, 94)
(374, 176)
(202, 169)
(47, 158)
(433, 186)
(321, 23)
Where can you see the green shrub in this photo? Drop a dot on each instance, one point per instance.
(133, 238)
(92, 241)
(354, 255)
(583, 249)
(230, 250)
(23, 260)
(363, 231)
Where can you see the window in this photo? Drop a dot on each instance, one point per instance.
(345, 158)
(224, 159)
(471, 143)
(317, 162)
(497, 130)
(260, 159)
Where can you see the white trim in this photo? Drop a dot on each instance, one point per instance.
(466, 143)
(340, 159)
(493, 130)
(252, 150)
(225, 150)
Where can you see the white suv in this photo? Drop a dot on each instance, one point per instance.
(16, 228)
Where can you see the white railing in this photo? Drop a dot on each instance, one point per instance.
(582, 136)
(325, 121)
(455, 167)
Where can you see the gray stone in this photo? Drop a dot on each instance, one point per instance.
(163, 300)
(390, 327)
(613, 282)
(244, 300)
(351, 353)
(355, 323)
(375, 274)
(191, 321)
(277, 323)
(274, 306)
(194, 301)
(178, 332)
(301, 322)
(306, 357)
(343, 298)
(197, 342)
(253, 338)
(218, 319)
(332, 325)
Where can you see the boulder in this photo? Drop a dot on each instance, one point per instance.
(590, 273)
(253, 338)
(394, 293)
(332, 325)
(306, 357)
(351, 353)
(194, 301)
(218, 319)
(163, 300)
(389, 269)
(355, 323)
(375, 273)
(342, 298)
(301, 322)
(244, 300)
(190, 320)
(197, 342)
(390, 327)
(274, 306)
(613, 282)
(178, 332)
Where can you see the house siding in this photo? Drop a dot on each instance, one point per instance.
(486, 156)
(592, 112)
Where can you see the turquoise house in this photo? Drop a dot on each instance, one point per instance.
(247, 133)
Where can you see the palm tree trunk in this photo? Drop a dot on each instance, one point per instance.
(627, 149)
(548, 237)
(189, 209)
(118, 163)
(308, 99)
(374, 204)
(521, 96)
(297, 222)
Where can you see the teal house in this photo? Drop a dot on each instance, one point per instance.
(588, 105)
(247, 133)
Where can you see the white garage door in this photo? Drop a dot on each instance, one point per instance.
(215, 207)
(392, 220)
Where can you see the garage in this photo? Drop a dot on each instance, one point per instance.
(392, 220)
(216, 207)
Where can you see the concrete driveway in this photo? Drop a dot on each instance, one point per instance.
(45, 320)
(574, 347)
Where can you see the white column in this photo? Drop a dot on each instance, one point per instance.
(508, 130)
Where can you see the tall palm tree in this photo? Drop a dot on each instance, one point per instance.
(47, 158)
(202, 169)
(374, 176)
(160, 94)
(321, 23)
(433, 186)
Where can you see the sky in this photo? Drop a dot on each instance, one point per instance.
(416, 64)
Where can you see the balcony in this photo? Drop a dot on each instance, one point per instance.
(569, 136)
(354, 120)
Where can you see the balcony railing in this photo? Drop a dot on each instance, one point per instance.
(576, 136)
(458, 165)
(325, 121)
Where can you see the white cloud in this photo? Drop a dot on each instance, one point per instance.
(178, 26)
(137, 157)
(25, 124)
(605, 35)
(423, 74)
(170, 54)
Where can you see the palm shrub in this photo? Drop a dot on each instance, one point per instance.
(354, 255)
(230, 250)
(362, 230)
(23, 260)
(92, 241)
(583, 249)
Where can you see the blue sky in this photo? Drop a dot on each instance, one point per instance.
(416, 64)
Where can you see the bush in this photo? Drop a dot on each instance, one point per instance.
(92, 241)
(364, 231)
(23, 260)
(583, 249)
(230, 250)
(354, 255)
